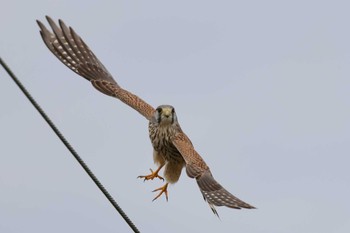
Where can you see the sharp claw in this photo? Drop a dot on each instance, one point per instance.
(151, 176)
(163, 189)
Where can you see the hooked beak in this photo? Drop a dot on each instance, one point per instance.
(167, 112)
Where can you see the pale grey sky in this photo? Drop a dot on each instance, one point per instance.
(262, 89)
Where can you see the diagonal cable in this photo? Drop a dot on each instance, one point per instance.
(69, 147)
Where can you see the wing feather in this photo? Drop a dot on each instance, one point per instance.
(195, 164)
(212, 191)
(72, 51)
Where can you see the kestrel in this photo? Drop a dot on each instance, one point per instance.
(172, 148)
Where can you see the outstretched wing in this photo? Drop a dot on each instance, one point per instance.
(212, 191)
(70, 49)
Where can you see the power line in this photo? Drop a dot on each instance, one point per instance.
(69, 147)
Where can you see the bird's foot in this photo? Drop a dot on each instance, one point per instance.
(154, 174)
(163, 189)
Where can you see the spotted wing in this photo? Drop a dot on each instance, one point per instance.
(212, 191)
(71, 50)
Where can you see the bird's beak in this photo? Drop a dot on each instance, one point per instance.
(167, 112)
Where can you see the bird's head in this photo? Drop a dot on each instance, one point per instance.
(165, 115)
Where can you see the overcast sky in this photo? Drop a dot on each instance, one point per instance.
(262, 88)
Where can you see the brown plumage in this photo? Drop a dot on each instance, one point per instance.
(172, 148)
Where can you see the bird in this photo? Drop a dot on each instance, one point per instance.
(172, 149)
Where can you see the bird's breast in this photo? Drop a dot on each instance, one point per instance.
(161, 138)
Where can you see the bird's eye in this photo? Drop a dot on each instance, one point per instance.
(159, 110)
(173, 110)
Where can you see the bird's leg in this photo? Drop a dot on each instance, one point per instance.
(154, 174)
(163, 189)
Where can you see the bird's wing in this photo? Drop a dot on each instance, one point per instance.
(212, 191)
(71, 50)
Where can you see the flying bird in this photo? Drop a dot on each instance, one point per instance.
(173, 150)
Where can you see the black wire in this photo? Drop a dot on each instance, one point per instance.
(69, 147)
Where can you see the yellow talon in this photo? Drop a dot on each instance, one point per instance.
(154, 174)
(163, 189)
